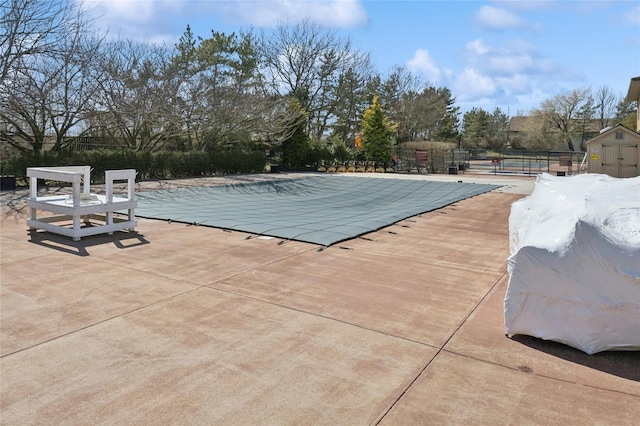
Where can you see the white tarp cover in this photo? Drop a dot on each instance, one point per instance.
(575, 263)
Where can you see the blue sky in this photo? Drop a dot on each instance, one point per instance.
(507, 54)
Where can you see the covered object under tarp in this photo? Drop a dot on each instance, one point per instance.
(575, 263)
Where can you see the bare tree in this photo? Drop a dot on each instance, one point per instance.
(305, 61)
(562, 112)
(135, 101)
(605, 105)
(76, 84)
(29, 28)
(49, 93)
(537, 134)
(24, 112)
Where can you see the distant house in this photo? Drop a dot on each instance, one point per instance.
(633, 94)
(614, 152)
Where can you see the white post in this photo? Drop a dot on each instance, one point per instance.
(33, 189)
(86, 175)
(76, 194)
(109, 189)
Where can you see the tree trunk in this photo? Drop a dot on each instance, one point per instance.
(570, 144)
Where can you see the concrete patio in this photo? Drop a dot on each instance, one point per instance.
(180, 324)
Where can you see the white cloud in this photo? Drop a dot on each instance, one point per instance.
(128, 10)
(505, 64)
(332, 13)
(495, 18)
(141, 20)
(514, 56)
(528, 6)
(515, 84)
(632, 16)
(472, 85)
(155, 20)
(477, 48)
(504, 73)
(422, 63)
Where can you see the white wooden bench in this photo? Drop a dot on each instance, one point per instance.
(82, 207)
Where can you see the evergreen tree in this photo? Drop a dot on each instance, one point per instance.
(449, 126)
(295, 148)
(475, 125)
(626, 114)
(497, 129)
(376, 133)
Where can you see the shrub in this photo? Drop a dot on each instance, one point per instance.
(295, 149)
(149, 165)
(318, 152)
(342, 153)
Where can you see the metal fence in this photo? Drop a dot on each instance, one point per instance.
(410, 160)
(496, 162)
(527, 162)
(431, 160)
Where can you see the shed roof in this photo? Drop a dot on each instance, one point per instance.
(605, 134)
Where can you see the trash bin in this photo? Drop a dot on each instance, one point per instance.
(8, 183)
(453, 170)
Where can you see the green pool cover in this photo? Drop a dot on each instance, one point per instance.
(322, 210)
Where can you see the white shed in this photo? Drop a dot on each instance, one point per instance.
(614, 152)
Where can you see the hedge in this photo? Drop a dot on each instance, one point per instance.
(149, 165)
